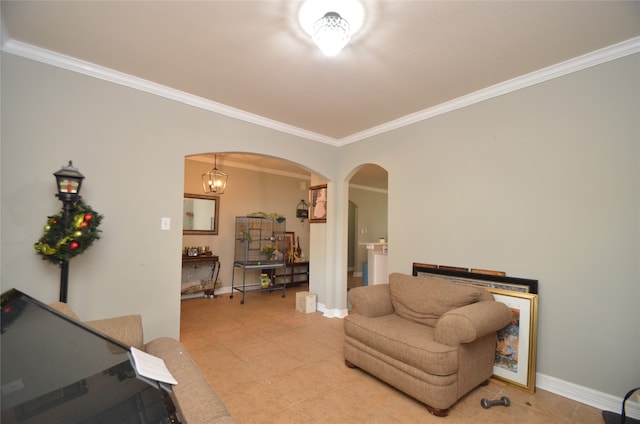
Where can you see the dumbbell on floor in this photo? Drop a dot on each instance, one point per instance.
(486, 404)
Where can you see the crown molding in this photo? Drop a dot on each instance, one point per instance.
(597, 57)
(69, 63)
(579, 63)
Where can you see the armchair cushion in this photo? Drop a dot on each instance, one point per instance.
(65, 309)
(126, 329)
(406, 341)
(425, 300)
(371, 301)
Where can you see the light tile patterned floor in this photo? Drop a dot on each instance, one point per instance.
(272, 364)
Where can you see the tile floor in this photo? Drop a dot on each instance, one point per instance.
(272, 364)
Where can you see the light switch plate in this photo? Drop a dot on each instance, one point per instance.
(165, 223)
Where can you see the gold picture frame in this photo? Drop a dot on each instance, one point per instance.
(516, 349)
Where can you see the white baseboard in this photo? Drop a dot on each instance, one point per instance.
(591, 397)
(357, 274)
(331, 313)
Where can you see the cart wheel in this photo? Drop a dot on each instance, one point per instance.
(284, 295)
(231, 297)
(242, 302)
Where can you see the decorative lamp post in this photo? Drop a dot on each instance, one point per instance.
(73, 230)
(69, 181)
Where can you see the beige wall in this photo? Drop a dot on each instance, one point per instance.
(541, 183)
(131, 148)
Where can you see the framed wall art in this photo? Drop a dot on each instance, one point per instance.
(318, 203)
(515, 355)
(515, 358)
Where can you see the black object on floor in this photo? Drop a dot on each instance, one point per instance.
(486, 404)
(613, 418)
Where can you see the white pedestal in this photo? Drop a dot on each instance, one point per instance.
(377, 258)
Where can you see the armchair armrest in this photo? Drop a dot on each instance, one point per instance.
(126, 329)
(471, 322)
(371, 301)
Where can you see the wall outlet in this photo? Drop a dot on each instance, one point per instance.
(165, 223)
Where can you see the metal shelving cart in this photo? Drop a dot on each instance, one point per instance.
(259, 245)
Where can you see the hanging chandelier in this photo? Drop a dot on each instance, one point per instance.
(214, 181)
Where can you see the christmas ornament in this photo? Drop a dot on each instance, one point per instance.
(60, 243)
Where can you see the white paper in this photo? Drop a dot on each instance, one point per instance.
(151, 367)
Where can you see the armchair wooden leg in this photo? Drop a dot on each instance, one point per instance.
(349, 364)
(437, 412)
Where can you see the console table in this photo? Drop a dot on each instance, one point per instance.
(200, 261)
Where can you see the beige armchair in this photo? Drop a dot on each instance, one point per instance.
(430, 338)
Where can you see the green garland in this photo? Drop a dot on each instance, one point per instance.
(60, 243)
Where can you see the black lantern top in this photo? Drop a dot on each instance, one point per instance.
(69, 180)
(302, 210)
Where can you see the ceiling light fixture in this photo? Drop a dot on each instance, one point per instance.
(331, 33)
(214, 181)
(331, 23)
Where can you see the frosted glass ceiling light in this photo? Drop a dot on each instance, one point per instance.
(331, 33)
(331, 23)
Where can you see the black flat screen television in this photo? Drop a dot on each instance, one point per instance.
(58, 370)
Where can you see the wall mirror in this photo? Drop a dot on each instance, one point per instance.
(200, 214)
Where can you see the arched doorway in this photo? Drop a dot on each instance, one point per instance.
(256, 183)
(367, 222)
